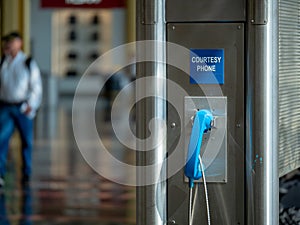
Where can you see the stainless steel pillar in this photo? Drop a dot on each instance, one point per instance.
(151, 206)
(262, 113)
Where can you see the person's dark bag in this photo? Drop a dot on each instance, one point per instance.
(27, 62)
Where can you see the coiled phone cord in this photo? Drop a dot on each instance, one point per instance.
(190, 205)
(205, 190)
(190, 210)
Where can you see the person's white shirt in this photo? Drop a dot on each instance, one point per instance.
(19, 84)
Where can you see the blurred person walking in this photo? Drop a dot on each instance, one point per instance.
(20, 97)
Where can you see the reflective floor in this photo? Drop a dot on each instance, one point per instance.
(64, 189)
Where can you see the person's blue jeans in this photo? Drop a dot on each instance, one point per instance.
(11, 117)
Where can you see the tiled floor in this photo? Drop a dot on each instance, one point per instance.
(64, 189)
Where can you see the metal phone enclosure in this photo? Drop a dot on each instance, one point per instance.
(221, 46)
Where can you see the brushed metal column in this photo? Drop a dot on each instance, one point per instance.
(262, 113)
(151, 204)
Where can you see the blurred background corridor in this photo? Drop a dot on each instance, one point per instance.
(65, 38)
(64, 189)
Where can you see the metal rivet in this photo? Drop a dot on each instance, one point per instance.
(238, 125)
(172, 222)
(252, 21)
(173, 27)
(173, 125)
(239, 27)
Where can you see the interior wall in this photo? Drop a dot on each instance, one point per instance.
(1, 23)
(15, 16)
(41, 35)
(10, 15)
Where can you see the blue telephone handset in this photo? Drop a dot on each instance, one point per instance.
(202, 123)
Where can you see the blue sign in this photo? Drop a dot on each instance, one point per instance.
(207, 66)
